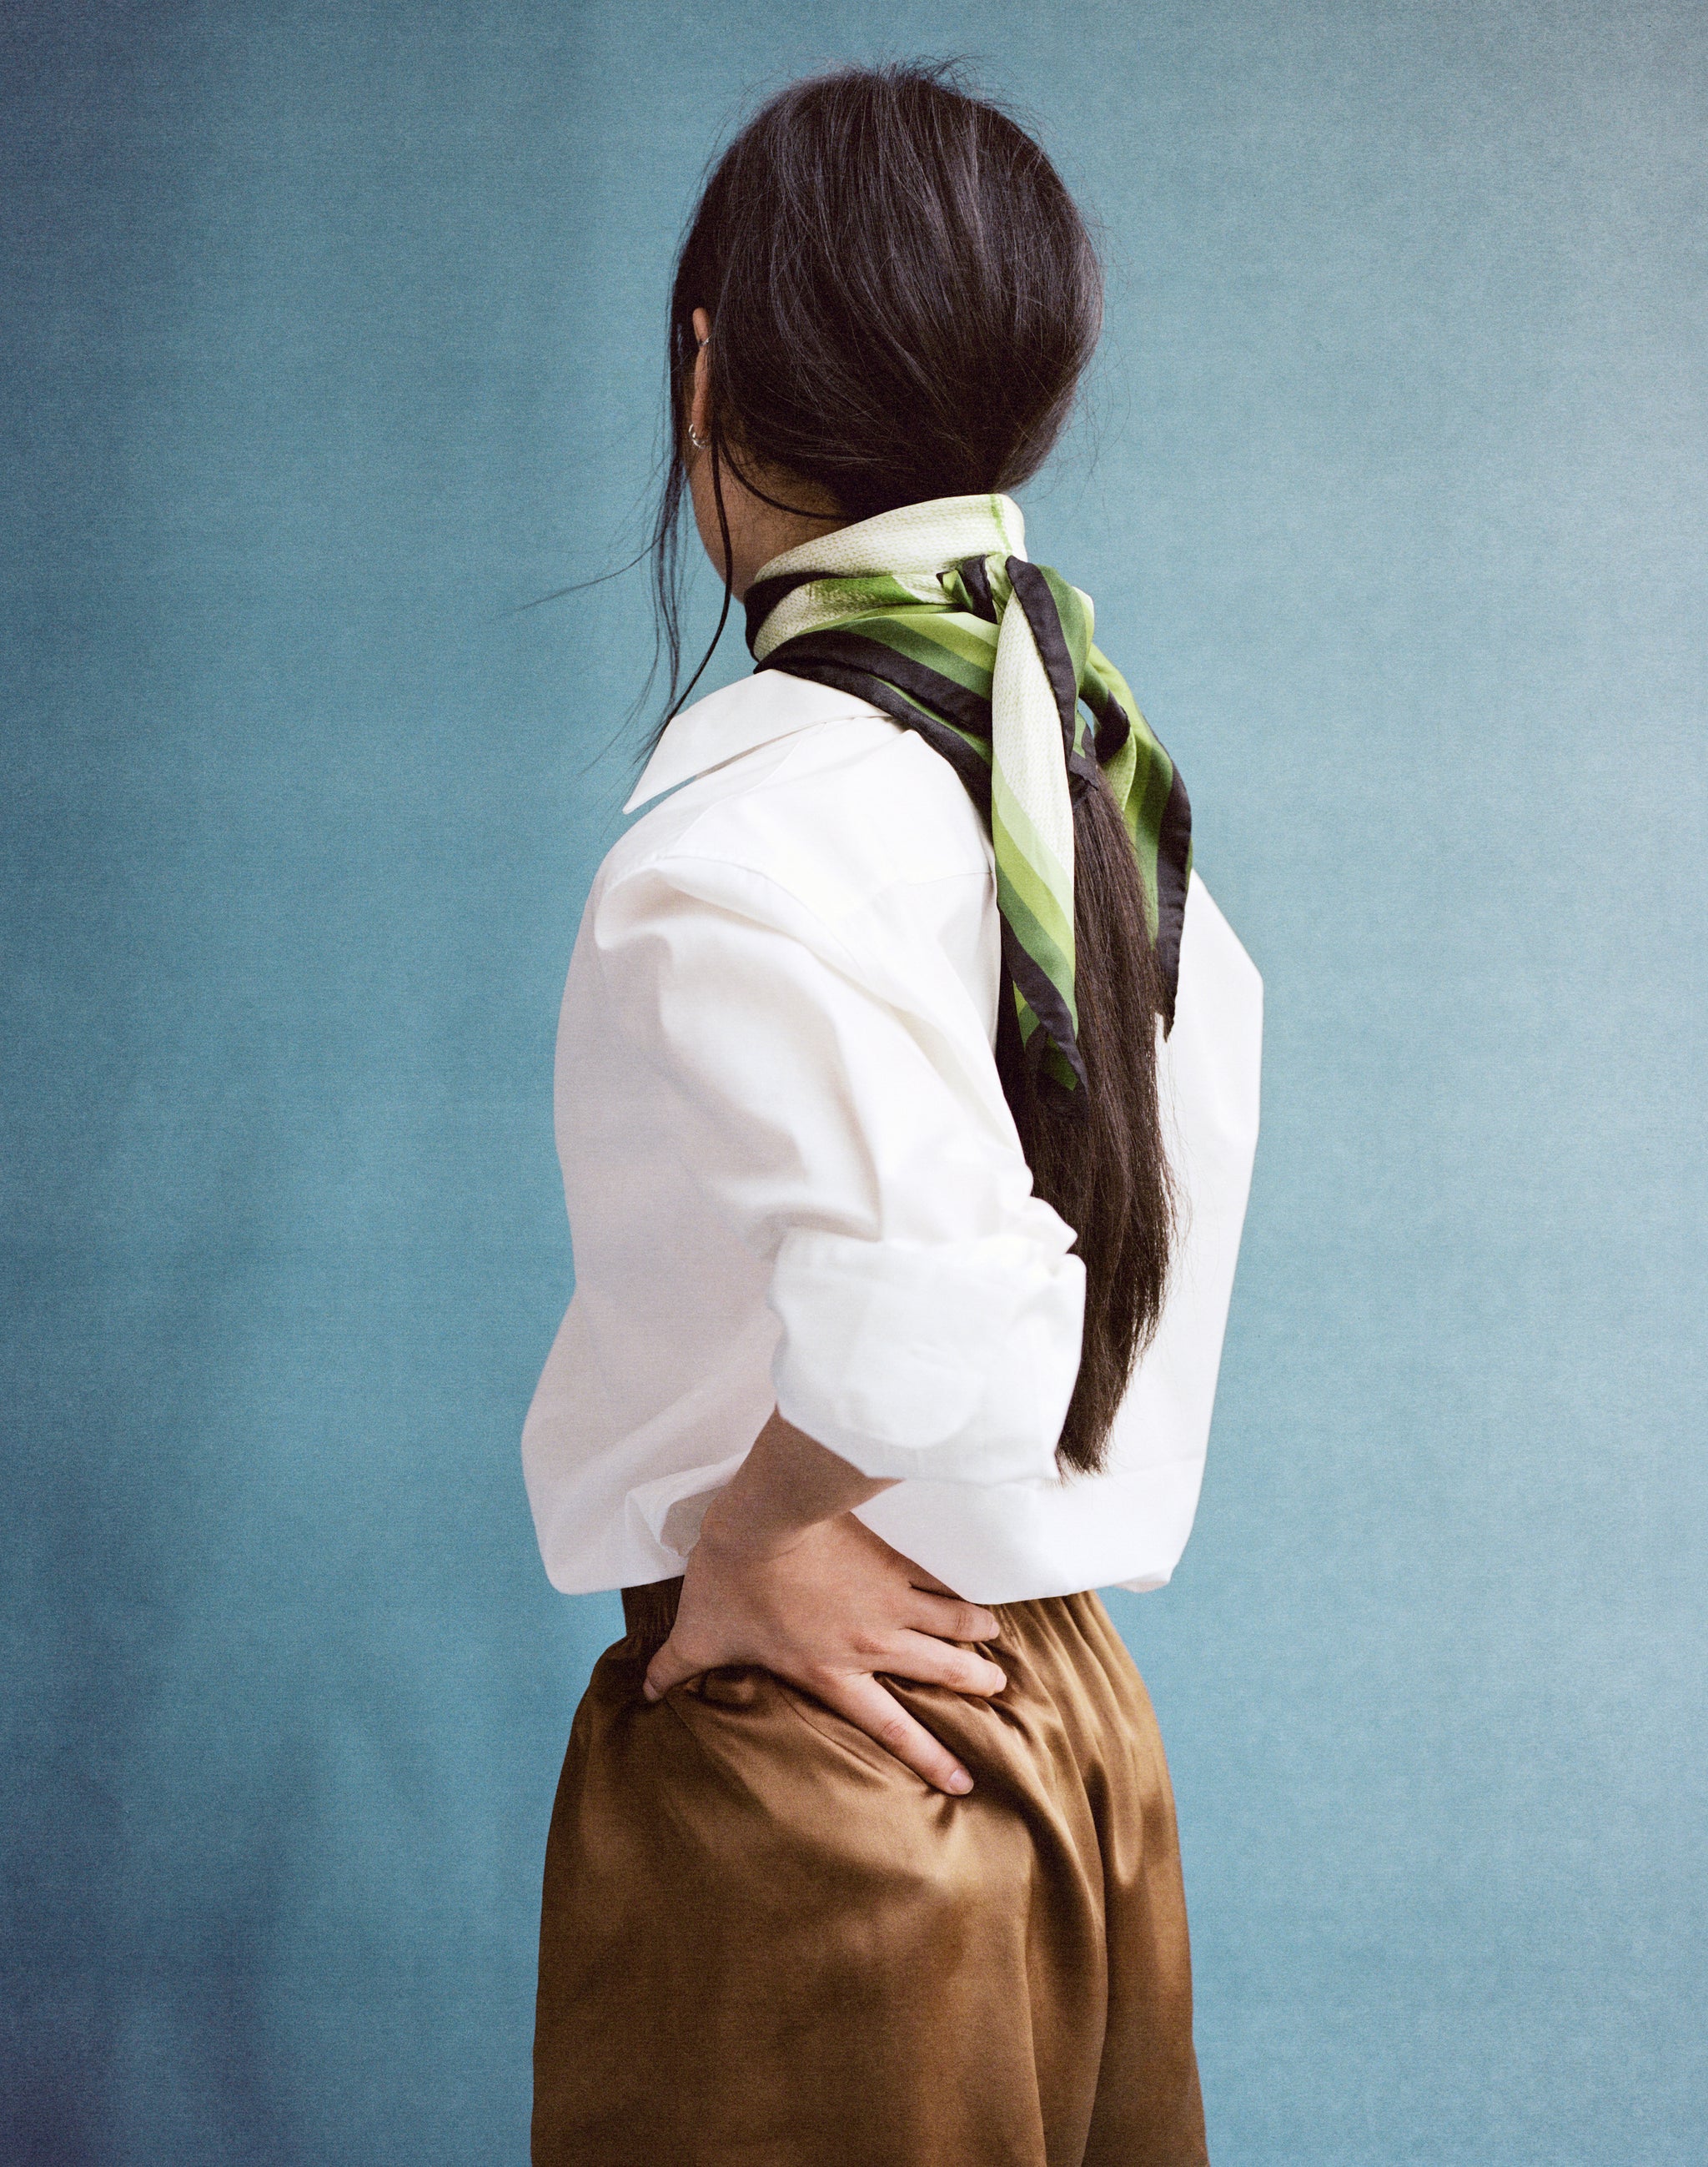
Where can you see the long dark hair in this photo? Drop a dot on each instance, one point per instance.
(903, 297)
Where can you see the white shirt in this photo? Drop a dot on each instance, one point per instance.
(792, 1177)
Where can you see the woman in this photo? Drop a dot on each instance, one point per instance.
(906, 1101)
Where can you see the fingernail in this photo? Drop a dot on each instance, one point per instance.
(960, 1781)
(648, 1690)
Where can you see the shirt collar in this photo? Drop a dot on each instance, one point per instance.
(748, 713)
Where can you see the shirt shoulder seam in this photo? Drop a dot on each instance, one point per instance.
(679, 850)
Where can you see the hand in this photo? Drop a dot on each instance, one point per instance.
(825, 1609)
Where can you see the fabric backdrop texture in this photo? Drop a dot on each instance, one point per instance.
(333, 335)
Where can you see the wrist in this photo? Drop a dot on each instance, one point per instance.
(737, 1525)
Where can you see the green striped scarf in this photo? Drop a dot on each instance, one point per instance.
(914, 611)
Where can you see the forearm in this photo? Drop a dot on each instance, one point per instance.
(788, 1483)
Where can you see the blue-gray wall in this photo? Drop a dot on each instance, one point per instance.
(331, 334)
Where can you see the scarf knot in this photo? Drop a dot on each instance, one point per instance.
(934, 614)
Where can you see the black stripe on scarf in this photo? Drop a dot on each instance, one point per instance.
(799, 658)
(1173, 871)
(1046, 1003)
(1113, 729)
(1032, 592)
(1010, 1048)
(854, 651)
(975, 578)
(765, 595)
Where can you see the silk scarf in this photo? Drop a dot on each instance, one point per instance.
(934, 613)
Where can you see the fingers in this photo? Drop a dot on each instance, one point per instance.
(870, 1709)
(915, 1574)
(949, 1618)
(923, 1657)
(668, 1668)
(935, 1662)
(917, 1577)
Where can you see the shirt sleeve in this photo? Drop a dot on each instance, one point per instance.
(930, 1309)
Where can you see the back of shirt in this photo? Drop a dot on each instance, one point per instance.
(792, 1178)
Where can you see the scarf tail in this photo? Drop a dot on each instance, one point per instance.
(884, 576)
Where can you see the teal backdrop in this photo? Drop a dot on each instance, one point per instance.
(332, 335)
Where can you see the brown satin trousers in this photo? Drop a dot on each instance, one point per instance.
(766, 1943)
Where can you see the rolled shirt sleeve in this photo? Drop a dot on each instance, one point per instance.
(857, 1142)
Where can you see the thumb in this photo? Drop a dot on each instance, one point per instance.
(668, 1668)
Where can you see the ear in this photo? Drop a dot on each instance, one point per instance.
(699, 401)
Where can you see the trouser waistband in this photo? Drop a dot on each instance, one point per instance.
(649, 1611)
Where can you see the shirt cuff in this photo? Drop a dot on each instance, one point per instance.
(953, 1361)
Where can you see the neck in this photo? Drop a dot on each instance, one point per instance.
(758, 531)
(778, 533)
